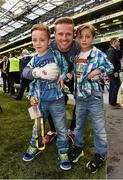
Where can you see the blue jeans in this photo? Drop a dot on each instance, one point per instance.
(93, 105)
(57, 111)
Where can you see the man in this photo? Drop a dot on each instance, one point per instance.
(6, 84)
(24, 82)
(64, 33)
(13, 70)
(114, 55)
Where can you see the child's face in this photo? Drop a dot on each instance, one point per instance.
(85, 39)
(40, 41)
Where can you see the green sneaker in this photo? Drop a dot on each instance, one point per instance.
(31, 153)
(63, 159)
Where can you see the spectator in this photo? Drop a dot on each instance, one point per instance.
(114, 55)
(6, 84)
(14, 72)
(24, 83)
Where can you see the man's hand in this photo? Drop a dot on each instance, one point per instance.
(116, 74)
(49, 72)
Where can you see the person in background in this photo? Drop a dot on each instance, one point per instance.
(24, 83)
(91, 65)
(13, 69)
(47, 94)
(114, 55)
(64, 33)
(6, 84)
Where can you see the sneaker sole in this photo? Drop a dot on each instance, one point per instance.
(93, 172)
(66, 169)
(77, 159)
(26, 160)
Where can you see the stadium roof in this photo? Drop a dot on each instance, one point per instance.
(16, 13)
(18, 16)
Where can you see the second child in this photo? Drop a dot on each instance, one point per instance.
(48, 93)
(91, 65)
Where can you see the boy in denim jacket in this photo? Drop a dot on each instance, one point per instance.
(91, 65)
(48, 93)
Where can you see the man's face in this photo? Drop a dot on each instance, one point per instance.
(117, 43)
(64, 36)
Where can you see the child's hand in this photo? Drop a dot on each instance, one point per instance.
(93, 74)
(69, 75)
(33, 101)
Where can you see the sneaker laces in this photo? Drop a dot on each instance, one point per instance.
(63, 156)
(75, 151)
(31, 150)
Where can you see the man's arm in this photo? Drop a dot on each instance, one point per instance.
(27, 73)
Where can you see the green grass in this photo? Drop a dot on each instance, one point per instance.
(15, 134)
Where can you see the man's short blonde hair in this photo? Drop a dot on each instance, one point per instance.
(64, 20)
(85, 26)
(41, 27)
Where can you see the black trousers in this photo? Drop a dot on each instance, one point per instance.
(6, 83)
(14, 77)
(113, 89)
(23, 85)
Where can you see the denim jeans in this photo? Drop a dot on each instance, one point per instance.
(93, 105)
(57, 110)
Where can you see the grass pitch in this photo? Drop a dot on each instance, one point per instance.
(15, 134)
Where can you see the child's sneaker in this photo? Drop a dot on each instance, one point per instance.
(63, 159)
(95, 163)
(75, 153)
(31, 153)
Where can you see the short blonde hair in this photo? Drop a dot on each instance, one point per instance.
(64, 20)
(41, 27)
(85, 26)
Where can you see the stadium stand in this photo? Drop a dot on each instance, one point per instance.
(105, 15)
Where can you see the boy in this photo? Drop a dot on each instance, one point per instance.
(91, 65)
(48, 93)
